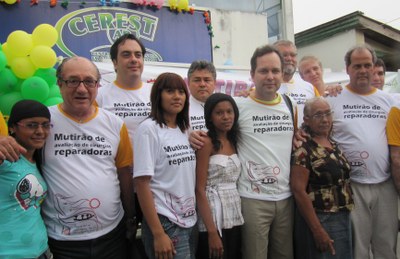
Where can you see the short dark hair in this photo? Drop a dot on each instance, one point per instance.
(201, 65)
(379, 63)
(347, 57)
(169, 81)
(233, 134)
(261, 51)
(122, 39)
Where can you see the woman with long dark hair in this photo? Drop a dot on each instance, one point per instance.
(217, 171)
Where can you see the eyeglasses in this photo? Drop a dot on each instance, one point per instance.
(35, 125)
(321, 115)
(74, 83)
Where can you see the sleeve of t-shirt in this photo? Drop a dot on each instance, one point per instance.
(144, 146)
(316, 92)
(124, 155)
(3, 126)
(393, 127)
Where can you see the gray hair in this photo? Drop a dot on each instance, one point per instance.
(309, 103)
(202, 65)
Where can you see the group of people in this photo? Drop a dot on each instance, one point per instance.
(282, 173)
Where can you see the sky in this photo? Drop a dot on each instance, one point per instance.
(310, 13)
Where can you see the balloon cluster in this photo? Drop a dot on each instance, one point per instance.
(9, 1)
(26, 68)
(180, 5)
(156, 3)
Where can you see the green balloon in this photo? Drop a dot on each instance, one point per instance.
(8, 100)
(48, 74)
(54, 91)
(17, 86)
(53, 101)
(3, 61)
(7, 81)
(35, 88)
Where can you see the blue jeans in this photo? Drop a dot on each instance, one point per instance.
(111, 245)
(338, 227)
(181, 237)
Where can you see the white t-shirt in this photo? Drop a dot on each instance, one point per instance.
(264, 149)
(166, 155)
(196, 114)
(300, 91)
(80, 168)
(359, 126)
(131, 105)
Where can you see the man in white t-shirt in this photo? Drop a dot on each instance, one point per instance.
(128, 96)
(87, 167)
(359, 126)
(267, 129)
(295, 87)
(202, 77)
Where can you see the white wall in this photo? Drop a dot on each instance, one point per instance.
(331, 51)
(236, 36)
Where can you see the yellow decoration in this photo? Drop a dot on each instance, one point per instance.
(43, 56)
(19, 43)
(44, 34)
(22, 67)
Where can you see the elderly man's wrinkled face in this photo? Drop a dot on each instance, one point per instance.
(289, 54)
(79, 98)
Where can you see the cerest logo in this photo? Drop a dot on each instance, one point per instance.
(95, 29)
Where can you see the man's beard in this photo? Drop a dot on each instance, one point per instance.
(289, 69)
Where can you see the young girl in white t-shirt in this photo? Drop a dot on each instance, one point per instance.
(164, 172)
(217, 171)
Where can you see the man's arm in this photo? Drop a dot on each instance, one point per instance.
(395, 166)
(10, 149)
(127, 198)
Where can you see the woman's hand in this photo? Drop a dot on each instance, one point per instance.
(163, 247)
(215, 247)
(323, 241)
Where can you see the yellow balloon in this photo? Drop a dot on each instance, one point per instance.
(8, 54)
(44, 34)
(10, 1)
(43, 56)
(22, 67)
(19, 43)
(183, 5)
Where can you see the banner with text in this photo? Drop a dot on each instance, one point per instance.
(89, 30)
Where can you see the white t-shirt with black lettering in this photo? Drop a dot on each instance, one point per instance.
(359, 126)
(131, 105)
(300, 91)
(80, 168)
(166, 155)
(196, 114)
(264, 149)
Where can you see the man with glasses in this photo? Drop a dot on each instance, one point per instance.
(295, 87)
(87, 166)
(359, 122)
